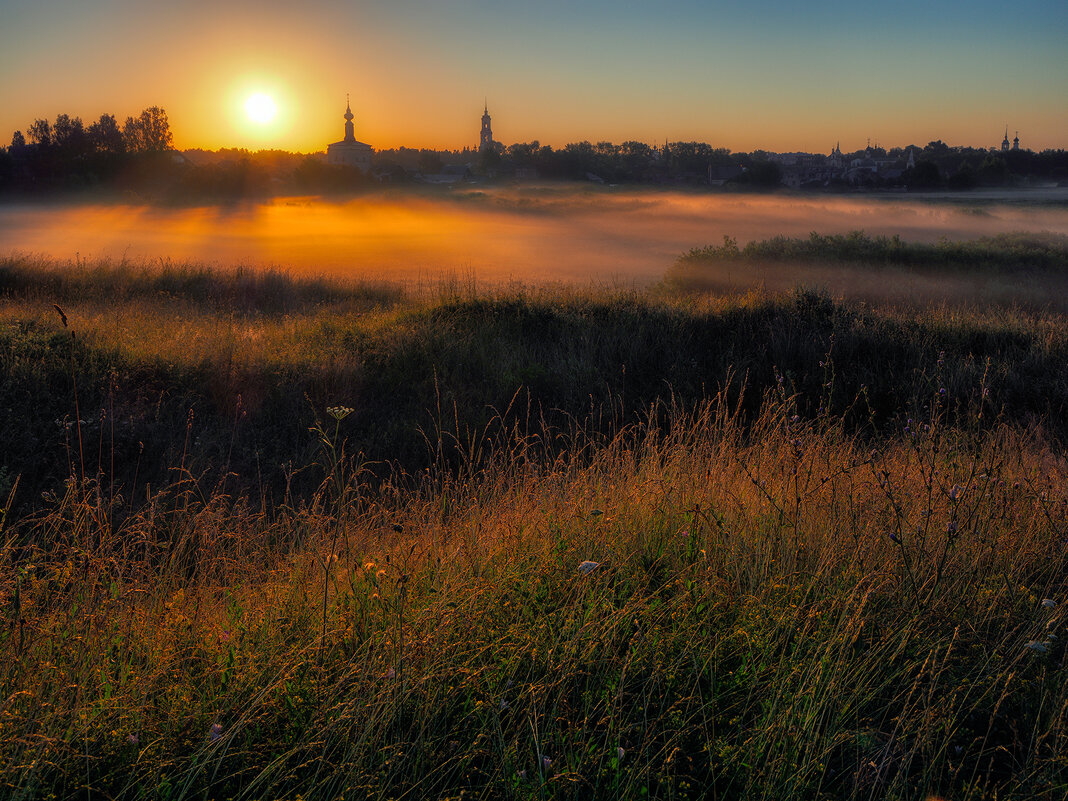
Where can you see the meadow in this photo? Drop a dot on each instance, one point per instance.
(274, 536)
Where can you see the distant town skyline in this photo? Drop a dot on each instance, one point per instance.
(772, 76)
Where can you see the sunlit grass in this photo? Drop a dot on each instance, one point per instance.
(827, 544)
(853, 621)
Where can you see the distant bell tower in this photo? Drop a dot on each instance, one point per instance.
(1016, 141)
(350, 133)
(1005, 141)
(485, 141)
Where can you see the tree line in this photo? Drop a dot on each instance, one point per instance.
(67, 153)
(137, 156)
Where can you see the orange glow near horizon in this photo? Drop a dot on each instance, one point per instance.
(774, 78)
(559, 233)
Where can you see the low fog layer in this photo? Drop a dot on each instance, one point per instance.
(571, 234)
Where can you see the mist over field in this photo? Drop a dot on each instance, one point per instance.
(339, 527)
(573, 234)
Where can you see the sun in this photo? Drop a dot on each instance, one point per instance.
(260, 108)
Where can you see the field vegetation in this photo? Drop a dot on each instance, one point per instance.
(1008, 270)
(269, 537)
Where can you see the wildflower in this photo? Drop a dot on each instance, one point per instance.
(941, 390)
(1049, 603)
(954, 492)
(546, 763)
(1036, 646)
(522, 774)
(951, 527)
(215, 732)
(390, 674)
(339, 413)
(133, 739)
(587, 566)
(895, 538)
(619, 753)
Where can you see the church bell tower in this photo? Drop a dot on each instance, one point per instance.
(485, 141)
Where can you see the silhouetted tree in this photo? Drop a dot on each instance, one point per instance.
(935, 149)
(148, 133)
(105, 136)
(40, 133)
(993, 171)
(430, 162)
(963, 178)
(489, 159)
(68, 133)
(925, 175)
(523, 154)
(7, 167)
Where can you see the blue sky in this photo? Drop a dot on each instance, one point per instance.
(765, 74)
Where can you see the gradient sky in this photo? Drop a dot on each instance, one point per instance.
(767, 74)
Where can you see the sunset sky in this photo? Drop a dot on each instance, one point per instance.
(771, 74)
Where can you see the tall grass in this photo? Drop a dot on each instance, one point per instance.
(531, 544)
(1001, 252)
(778, 611)
(242, 289)
(1009, 271)
(254, 377)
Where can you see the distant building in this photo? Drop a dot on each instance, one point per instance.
(1005, 146)
(837, 161)
(348, 152)
(485, 138)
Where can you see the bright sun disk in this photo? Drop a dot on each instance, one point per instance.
(260, 108)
